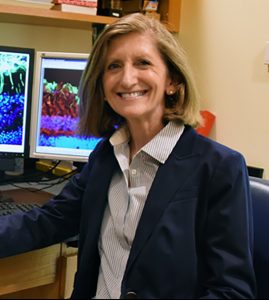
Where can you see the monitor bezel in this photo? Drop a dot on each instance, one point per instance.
(26, 146)
(35, 107)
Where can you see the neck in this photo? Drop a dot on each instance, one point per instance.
(141, 135)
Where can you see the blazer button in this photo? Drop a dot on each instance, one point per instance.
(131, 295)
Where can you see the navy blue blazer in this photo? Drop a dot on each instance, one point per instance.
(194, 238)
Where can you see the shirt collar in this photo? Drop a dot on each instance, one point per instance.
(164, 142)
(159, 147)
(121, 136)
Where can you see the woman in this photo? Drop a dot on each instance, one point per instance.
(161, 211)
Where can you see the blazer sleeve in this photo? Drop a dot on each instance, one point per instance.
(229, 230)
(54, 222)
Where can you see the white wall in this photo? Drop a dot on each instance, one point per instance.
(225, 41)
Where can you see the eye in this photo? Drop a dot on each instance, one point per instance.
(113, 66)
(143, 62)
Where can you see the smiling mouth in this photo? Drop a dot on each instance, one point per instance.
(132, 94)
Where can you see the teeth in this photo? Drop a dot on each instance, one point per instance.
(133, 94)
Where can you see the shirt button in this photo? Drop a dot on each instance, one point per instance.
(133, 171)
(131, 295)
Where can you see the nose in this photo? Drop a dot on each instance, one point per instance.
(129, 76)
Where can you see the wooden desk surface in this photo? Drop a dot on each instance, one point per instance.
(27, 196)
(29, 270)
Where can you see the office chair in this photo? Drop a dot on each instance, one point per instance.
(260, 197)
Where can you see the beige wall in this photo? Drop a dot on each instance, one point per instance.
(225, 41)
(45, 38)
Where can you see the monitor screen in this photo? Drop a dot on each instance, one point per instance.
(16, 75)
(55, 108)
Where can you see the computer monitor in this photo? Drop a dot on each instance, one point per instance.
(16, 75)
(55, 108)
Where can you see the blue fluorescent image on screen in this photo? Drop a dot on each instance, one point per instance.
(15, 82)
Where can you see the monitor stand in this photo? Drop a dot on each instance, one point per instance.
(17, 167)
(11, 166)
(59, 169)
(65, 167)
(7, 164)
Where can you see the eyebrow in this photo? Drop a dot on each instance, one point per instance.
(137, 56)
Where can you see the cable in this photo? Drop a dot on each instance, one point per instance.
(35, 176)
(60, 179)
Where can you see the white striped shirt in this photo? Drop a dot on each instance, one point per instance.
(127, 194)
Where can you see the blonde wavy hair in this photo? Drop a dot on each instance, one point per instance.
(96, 117)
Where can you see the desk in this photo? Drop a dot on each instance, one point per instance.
(55, 189)
(21, 273)
(46, 273)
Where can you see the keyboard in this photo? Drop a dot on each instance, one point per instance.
(9, 206)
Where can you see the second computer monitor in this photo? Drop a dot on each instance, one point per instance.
(55, 108)
(16, 75)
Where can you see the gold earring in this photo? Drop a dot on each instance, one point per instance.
(171, 92)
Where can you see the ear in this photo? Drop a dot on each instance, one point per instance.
(171, 88)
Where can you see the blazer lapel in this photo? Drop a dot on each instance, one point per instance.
(181, 162)
(97, 189)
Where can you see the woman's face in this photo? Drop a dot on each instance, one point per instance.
(136, 79)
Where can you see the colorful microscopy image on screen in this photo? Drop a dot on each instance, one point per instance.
(60, 111)
(12, 96)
